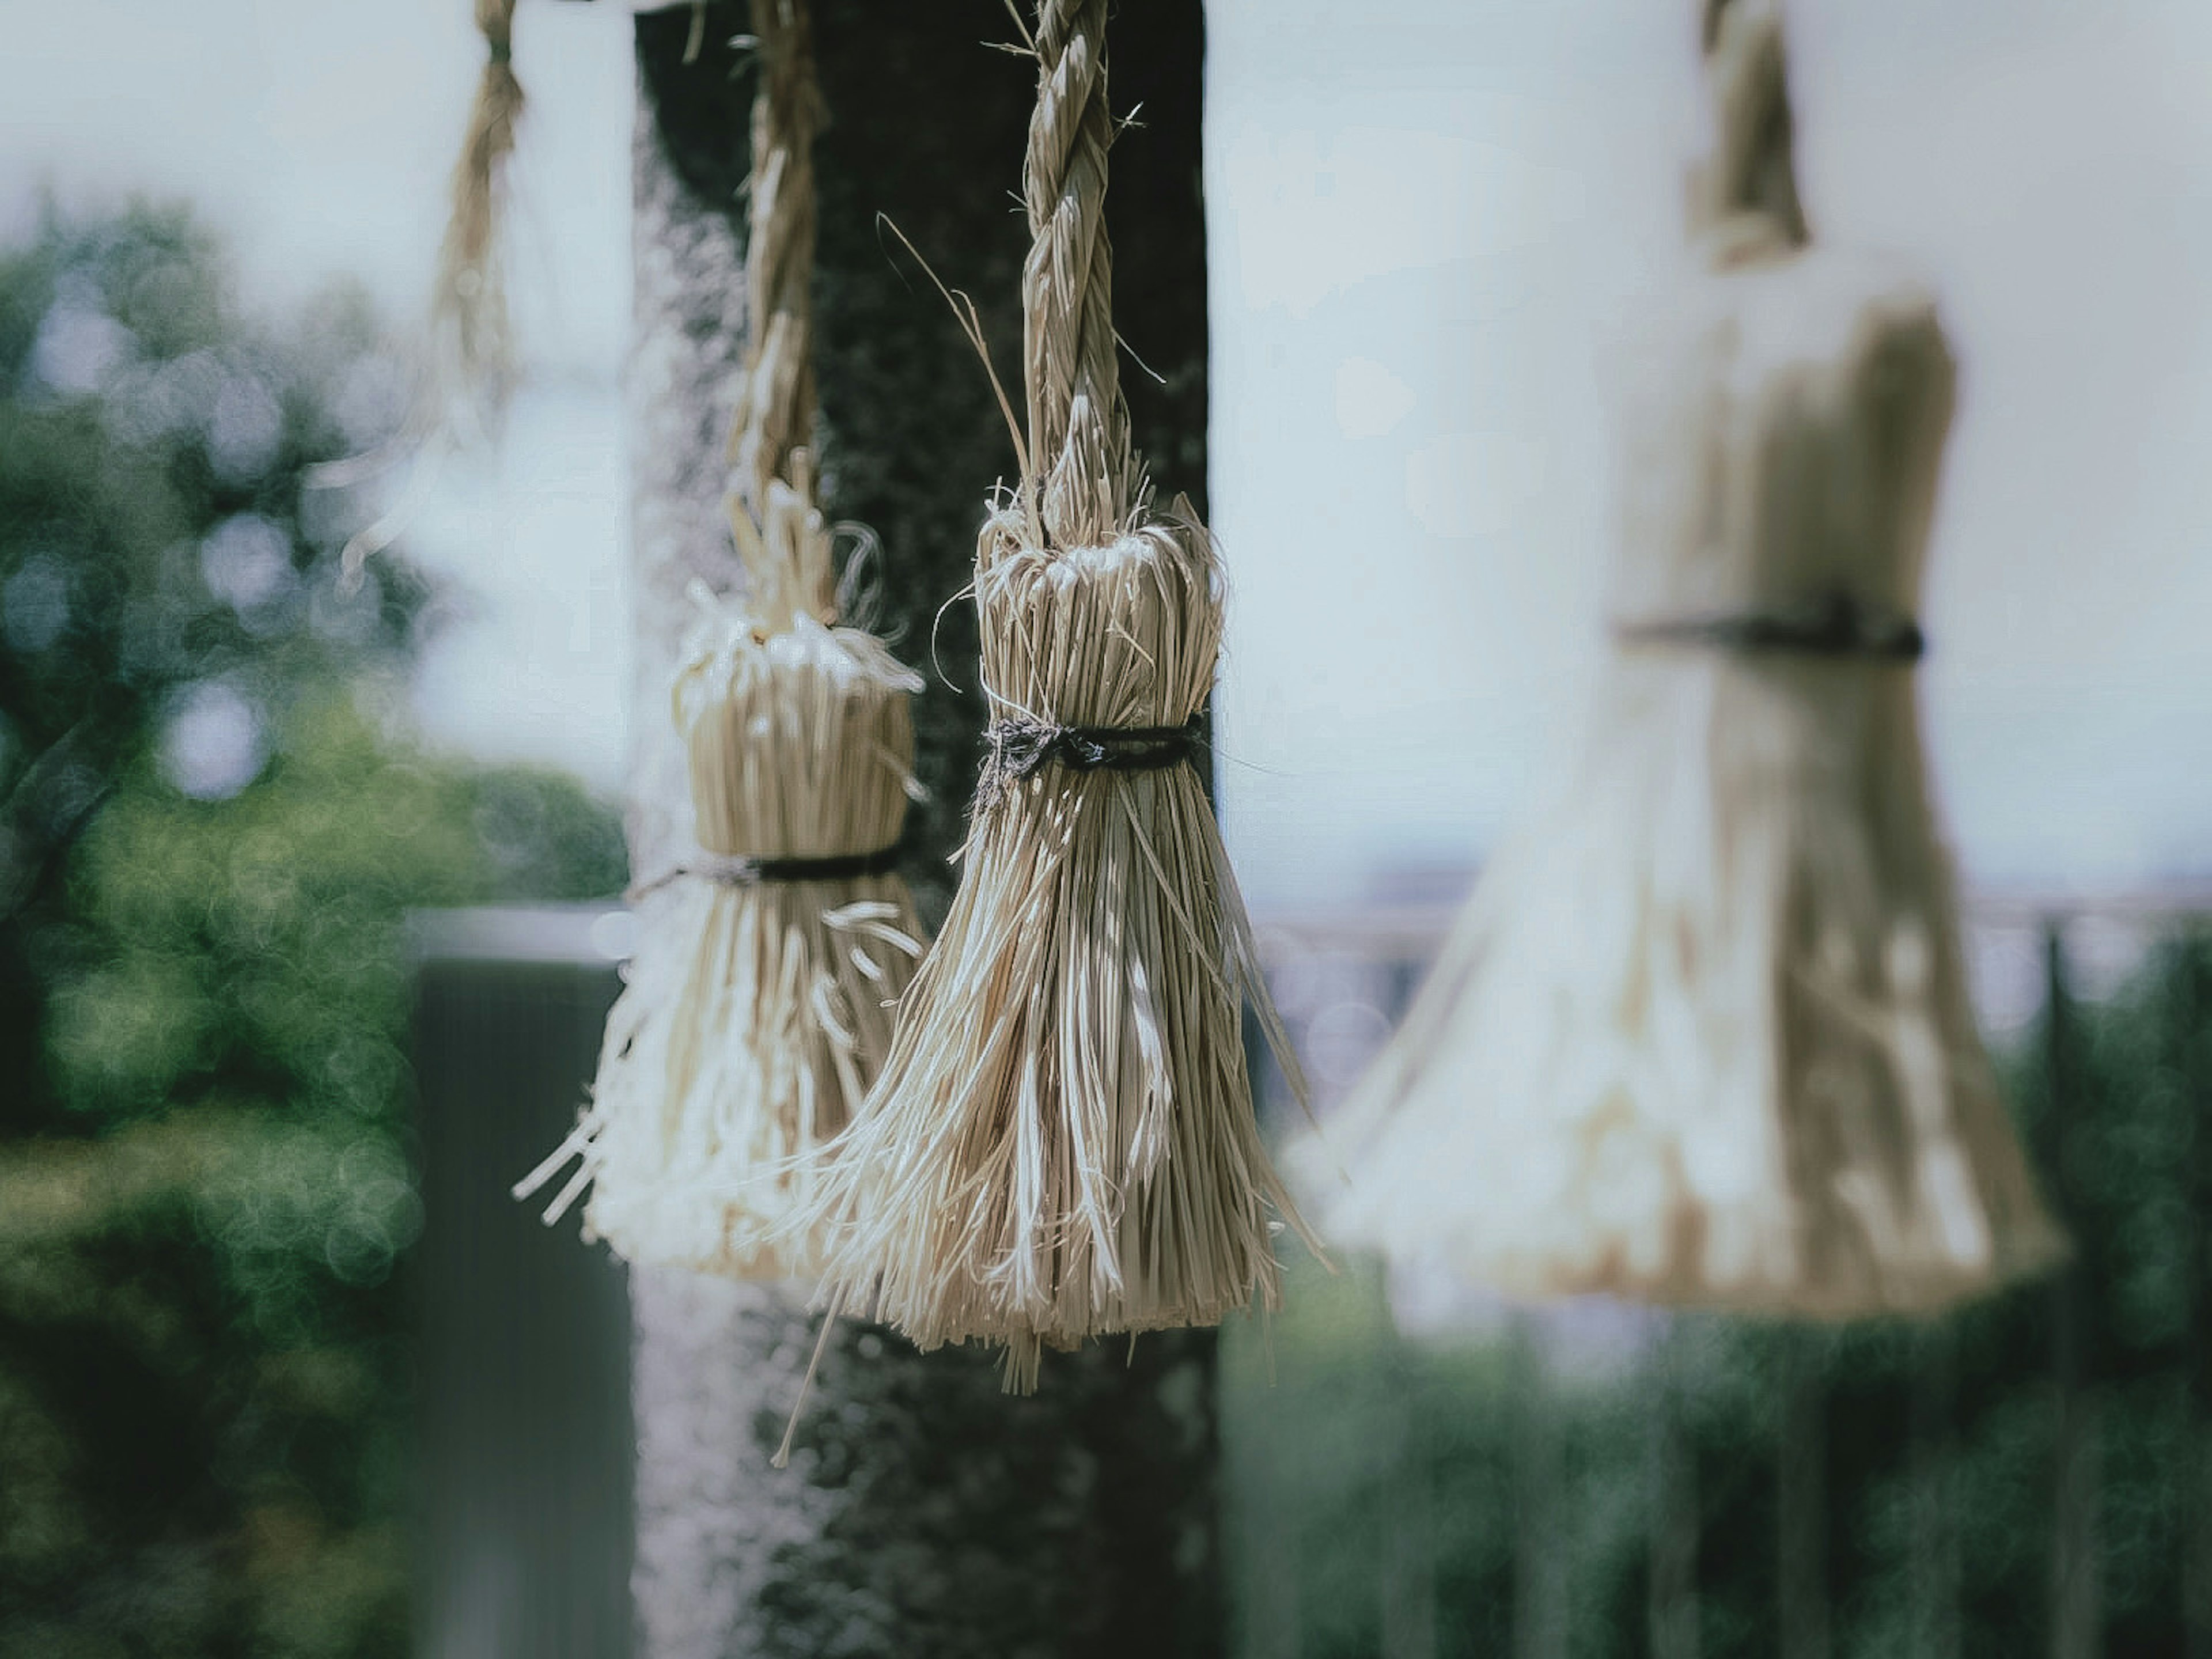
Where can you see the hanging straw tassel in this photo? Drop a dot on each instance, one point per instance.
(467, 376)
(1062, 1141)
(1702, 1035)
(759, 1004)
(473, 372)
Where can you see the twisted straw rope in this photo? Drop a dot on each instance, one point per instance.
(1083, 476)
(1745, 194)
(468, 305)
(776, 406)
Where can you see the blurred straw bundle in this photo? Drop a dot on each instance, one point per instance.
(1062, 1141)
(464, 377)
(759, 1001)
(1702, 1035)
(472, 353)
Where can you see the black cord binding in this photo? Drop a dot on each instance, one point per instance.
(1020, 748)
(1837, 625)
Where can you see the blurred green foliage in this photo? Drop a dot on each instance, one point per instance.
(1395, 1496)
(211, 827)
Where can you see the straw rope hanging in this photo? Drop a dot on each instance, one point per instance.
(467, 376)
(1702, 1035)
(472, 367)
(759, 1002)
(1062, 1141)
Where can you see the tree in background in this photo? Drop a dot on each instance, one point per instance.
(211, 827)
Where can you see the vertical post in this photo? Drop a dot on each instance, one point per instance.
(1801, 1502)
(2076, 1615)
(1409, 1550)
(1934, 1568)
(523, 1525)
(1671, 1589)
(1539, 1575)
(924, 1513)
(2192, 1031)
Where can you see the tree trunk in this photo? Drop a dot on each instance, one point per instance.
(924, 1513)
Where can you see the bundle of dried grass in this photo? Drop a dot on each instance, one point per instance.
(760, 998)
(1062, 1141)
(1702, 1035)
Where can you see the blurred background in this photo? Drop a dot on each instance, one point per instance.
(226, 781)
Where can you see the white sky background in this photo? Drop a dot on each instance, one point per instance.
(1427, 232)
(1430, 222)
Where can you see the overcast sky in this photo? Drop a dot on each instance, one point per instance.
(1428, 232)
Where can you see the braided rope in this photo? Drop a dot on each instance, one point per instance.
(1078, 427)
(775, 404)
(468, 307)
(1744, 197)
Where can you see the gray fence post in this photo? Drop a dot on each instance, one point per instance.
(1539, 1533)
(2192, 1017)
(1671, 1589)
(1935, 1564)
(522, 1371)
(1408, 1587)
(1801, 1499)
(2076, 1612)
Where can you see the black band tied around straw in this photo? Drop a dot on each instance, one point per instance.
(733, 870)
(1838, 625)
(1020, 748)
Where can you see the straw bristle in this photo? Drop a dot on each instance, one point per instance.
(1062, 1142)
(757, 1014)
(1703, 1035)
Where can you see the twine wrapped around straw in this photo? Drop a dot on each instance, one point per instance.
(759, 1004)
(1703, 1035)
(1062, 1141)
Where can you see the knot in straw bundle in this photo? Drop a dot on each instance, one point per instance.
(1098, 640)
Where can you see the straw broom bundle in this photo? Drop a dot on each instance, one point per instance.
(1062, 1141)
(1702, 1035)
(759, 1006)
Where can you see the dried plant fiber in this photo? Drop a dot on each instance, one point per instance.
(1062, 1143)
(758, 1010)
(466, 375)
(473, 367)
(760, 999)
(1702, 1035)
